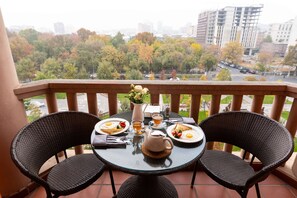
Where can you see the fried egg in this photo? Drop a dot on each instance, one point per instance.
(109, 125)
(189, 135)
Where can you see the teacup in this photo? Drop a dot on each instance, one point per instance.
(157, 118)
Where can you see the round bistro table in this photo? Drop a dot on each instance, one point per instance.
(148, 181)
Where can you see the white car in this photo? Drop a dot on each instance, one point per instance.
(37, 103)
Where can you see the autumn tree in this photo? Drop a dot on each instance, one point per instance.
(30, 35)
(265, 58)
(208, 62)
(134, 75)
(232, 52)
(291, 57)
(51, 69)
(146, 38)
(20, 47)
(224, 75)
(69, 71)
(112, 55)
(84, 33)
(25, 69)
(82, 73)
(118, 40)
(105, 70)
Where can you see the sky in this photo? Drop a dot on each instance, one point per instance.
(118, 14)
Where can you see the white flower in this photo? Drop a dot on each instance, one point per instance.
(144, 91)
(138, 88)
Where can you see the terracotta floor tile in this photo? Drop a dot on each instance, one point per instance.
(211, 191)
(118, 176)
(91, 191)
(293, 190)
(101, 179)
(275, 191)
(186, 191)
(202, 178)
(272, 179)
(106, 191)
(183, 177)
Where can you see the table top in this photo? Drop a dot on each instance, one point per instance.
(132, 160)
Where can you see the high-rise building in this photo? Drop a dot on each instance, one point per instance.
(59, 28)
(229, 24)
(293, 35)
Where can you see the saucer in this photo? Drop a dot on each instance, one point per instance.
(159, 126)
(155, 155)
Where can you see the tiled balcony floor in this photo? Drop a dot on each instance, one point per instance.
(205, 187)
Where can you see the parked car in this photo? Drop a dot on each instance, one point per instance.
(243, 70)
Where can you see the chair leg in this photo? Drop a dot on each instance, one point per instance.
(258, 190)
(194, 174)
(112, 182)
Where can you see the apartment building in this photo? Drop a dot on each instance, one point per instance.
(229, 24)
(280, 32)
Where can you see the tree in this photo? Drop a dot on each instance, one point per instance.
(118, 40)
(224, 75)
(208, 61)
(20, 48)
(83, 74)
(265, 58)
(70, 71)
(25, 69)
(84, 33)
(291, 57)
(232, 52)
(30, 35)
(51, 69)
(146, 38)
(250, 78)
(112, 55)
(105, 70)
(134, 75)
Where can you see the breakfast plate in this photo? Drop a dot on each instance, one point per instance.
(112, 126)
(191, 135)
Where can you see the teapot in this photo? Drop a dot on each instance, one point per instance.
(156, 141)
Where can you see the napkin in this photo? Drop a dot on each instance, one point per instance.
(108, 141)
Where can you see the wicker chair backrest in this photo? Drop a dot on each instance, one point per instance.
(40, 140)
(265, 138)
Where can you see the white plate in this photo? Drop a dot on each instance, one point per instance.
(114, 120)
(196, 131)
(160, 126)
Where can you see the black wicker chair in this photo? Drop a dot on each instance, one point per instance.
(264, 138)
(42, 139)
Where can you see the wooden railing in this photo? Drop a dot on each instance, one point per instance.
(175, 89)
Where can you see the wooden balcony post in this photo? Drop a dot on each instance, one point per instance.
(277, 107)
(175, 101)
(12, 118)
(214, 109)
(195, 107)
(72, 106)
(51, 102)
(257, 104)
(92, 103)
(235, 106)
(112, 103)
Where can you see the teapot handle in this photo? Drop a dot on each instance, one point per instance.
(170, 146)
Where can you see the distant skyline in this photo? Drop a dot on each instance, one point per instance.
(116, 14)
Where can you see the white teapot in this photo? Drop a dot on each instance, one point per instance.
(156, 141)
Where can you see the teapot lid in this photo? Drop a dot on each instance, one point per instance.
(157, 133)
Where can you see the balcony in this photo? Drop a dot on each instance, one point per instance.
(175, 89)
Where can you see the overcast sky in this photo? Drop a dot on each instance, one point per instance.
(115, 14)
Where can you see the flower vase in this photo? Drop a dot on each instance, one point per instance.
(137, 114)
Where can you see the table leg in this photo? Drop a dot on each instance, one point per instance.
(147, 187)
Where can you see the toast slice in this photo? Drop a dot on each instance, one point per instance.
(181, 127)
